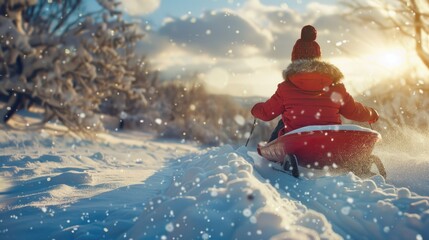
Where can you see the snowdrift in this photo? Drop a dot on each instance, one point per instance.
(135, 187)
(217, 195)
(227, 194)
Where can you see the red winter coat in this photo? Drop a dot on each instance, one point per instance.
(312, 94)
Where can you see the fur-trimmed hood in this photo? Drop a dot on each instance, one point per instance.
(313, 66)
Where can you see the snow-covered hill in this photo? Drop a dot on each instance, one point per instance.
(132, 186)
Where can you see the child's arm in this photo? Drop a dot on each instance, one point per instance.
(270, 109)
(356, 111)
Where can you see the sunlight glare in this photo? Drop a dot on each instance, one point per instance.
(391, 59)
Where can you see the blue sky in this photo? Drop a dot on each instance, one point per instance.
(240, 47)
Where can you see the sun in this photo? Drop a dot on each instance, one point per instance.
(391, 59)
(374, 65)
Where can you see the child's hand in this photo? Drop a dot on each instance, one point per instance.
(374, 116)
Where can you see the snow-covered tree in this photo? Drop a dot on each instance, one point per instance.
(66, 59)
(126, 106)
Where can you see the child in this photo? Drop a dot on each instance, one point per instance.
(311, 93)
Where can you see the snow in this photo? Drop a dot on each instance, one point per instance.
(130, 185)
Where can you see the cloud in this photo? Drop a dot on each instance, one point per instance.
(322, 9)
(220, 34)
(253, 30)
(283, 44)
(140, 7)
(280, 22)
(271, 18)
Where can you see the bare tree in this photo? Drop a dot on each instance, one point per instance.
(409, 17)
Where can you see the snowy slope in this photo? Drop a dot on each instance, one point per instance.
(131, 186)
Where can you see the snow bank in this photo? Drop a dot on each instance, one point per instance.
(216, 195)
(229, 194)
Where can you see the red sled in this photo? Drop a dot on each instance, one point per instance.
(346, 147)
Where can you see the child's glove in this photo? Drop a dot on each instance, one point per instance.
(374, 116)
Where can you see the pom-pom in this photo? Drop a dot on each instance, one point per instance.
(308, 33)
